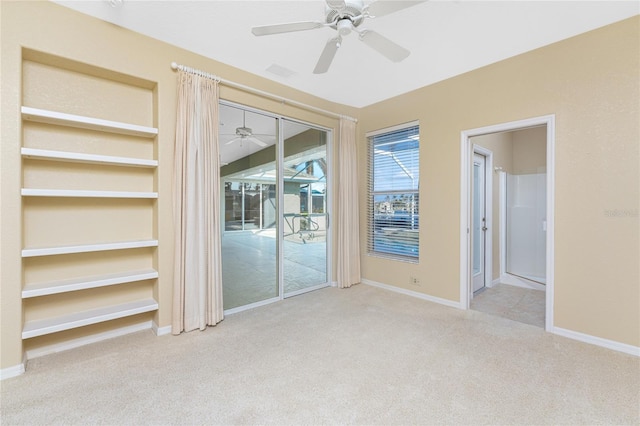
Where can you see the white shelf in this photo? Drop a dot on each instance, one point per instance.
(33, 192)
(63, 286)
(78, 157)
(79, 319)
(78, 121)
(49, 251)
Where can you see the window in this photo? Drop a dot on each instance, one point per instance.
(249, 206)
(394, 174)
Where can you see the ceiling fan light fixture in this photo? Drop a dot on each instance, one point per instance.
(345, 26)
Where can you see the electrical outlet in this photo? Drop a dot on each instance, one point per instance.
(414, 281)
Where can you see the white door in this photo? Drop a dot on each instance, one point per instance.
(479, 221)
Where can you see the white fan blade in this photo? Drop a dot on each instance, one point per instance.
(265, 138)
(233, 140)
(384, 46)
(286, 28)
(257, 141)
(326, 57)
(382, 7)
(336, 4)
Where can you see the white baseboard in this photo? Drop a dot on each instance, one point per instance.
(495, 282)
(81, 341)
(160, 331)
(412, 293)
(9, 372)
(334, 283)
(598, 341)
(586, 338)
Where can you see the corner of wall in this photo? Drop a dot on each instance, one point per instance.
(160, 331)
(14, 371)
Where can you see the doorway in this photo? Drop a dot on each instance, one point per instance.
(520, 228)
(275, 173)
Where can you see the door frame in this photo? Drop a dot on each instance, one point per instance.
(488, 209)
(466, 159)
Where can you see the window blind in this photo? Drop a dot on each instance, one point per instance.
(393, 196)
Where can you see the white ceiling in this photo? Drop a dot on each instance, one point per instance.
(446, 38)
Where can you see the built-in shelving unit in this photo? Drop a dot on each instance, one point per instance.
(59, 118)
(44, 154)
(87, 248)
(32, 192)
(79, 319)
(70, 280)
(84, 283)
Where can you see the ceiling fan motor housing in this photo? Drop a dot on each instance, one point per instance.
(345, 16)
(352, 11)
(244, 132)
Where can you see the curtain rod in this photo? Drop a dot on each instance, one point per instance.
(176, 66)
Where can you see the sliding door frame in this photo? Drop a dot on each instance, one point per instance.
(328, 210)
(280, 196)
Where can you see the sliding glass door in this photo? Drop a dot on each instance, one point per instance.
(249, 175)
(305, 208)
(274, 173)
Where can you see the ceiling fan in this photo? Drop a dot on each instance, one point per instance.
(246, 133)
(346, 16)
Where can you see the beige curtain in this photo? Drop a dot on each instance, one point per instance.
(348, 245)
(197, 291)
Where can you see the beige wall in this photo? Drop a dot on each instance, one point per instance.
(529, 150)
(591, 83)
(55, 30)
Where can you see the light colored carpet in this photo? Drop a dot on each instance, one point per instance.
(356, 356)
(515, 303)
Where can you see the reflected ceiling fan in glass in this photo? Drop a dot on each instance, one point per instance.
(246, 133)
